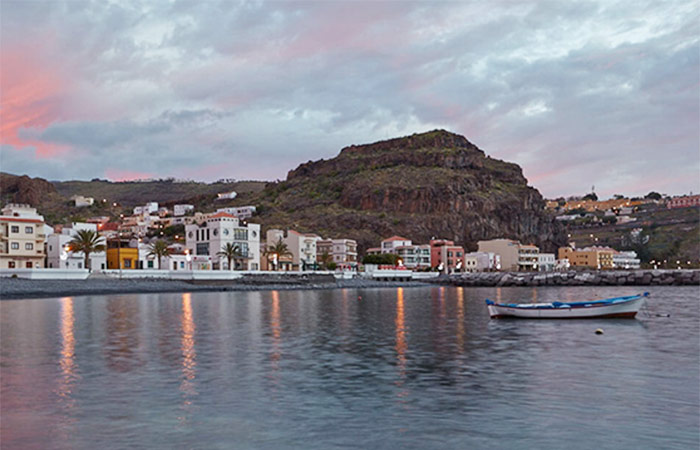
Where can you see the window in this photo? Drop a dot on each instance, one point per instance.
(243, 248)
(150, 264)
(127, 264)
(15, 228)
(240, 234)
(29, 265)
(14, 246)
(80, 265)
(203, 249)
(29, 246)
(29, 230)
(182, 264)
(216, 231)
(11, 264)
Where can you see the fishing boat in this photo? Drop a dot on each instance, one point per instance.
(623, 307)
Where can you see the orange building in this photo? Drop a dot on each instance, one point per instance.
(122, 258)
(591, 257)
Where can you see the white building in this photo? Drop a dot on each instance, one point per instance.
(481, 262)
(60, 256)
(205, 240)
(303, 247)
(148, 208)
(81, 201)
(414, 256)
(226, 195)
(390, 245)
(241, 212)
(181, 210)
(22, 237)
(343, 251)
(626, 260)
(546, 262)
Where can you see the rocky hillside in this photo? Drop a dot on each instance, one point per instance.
(23, 189)
(435, 184)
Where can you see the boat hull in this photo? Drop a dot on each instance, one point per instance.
(627, 310)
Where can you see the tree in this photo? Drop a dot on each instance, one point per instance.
(230, 252)
(159, 249)
(87, 241)
(280, 249)
(325, 259)
(653, 196)
(591, 196)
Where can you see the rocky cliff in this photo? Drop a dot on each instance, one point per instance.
(23, 189)
(435, 184)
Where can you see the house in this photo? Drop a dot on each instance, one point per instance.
(446, 256)
(122, 254)
(205, 240)
(148, 208)
(514, 255)
(626, 260)
(342, 251)
(241, 212)
(546, 262)
(59, 255)
(22, 237)
(302, 246)
(389, 245)
(81, 201)
(181, 210)
(226, 195)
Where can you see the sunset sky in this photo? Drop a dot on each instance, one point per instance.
(578, 93)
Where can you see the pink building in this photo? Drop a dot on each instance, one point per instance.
(684, 201)
(446, 252)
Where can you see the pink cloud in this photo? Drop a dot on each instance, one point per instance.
(31, 97)
(127, 175)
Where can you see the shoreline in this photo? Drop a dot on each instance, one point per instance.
(19, 289)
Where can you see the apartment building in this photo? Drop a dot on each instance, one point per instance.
(414, 256)
(390, 245)
(302, 246)
(181, 210)
(241, 212)
(683, 201)
(626, 260)
(446, 255)
(481, 262)
(514, 255)
(343, 251)
(205, 240)
(22, 237)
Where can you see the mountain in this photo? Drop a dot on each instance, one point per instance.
(435, 184)
(23, 189)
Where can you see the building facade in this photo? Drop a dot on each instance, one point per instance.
(446, 256)
(626, 260)
(481, 262)
(684, 201)
(589, 257)
(60, 256)
(414, 256)
(22, 237)
(342, 251)
(302, 246)
(204, 241)
(514, 255)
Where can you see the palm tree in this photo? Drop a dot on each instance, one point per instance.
(87, 241)
(325, 259)
(159, 249)
(230, 252)
(279, 248)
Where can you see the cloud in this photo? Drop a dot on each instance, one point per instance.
(577, 93)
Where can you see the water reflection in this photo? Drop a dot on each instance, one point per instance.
(122, 334)
(67, 358)
(460, 319)
(189, 355)
(400, 340)
(276, 330)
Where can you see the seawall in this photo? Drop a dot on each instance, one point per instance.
(575, 278)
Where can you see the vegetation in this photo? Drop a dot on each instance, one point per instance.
(381, 259)
(591, 196)
(87, 241)
(159, 249)
(279, 249)
(231, 252)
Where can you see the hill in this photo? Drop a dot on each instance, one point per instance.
(435, 184)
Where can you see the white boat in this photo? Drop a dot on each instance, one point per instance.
(623, 307)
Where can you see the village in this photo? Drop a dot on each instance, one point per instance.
(183, 239)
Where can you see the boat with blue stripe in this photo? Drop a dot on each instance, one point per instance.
(619, 307)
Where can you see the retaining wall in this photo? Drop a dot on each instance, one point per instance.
(575, 278)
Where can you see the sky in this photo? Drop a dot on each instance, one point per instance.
(580, 94)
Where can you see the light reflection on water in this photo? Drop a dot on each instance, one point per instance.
(373, 368)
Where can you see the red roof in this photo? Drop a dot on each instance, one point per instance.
(19, 219)
(396, 238)
(222, 214)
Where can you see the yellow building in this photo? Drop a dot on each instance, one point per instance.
(591, 257)
(122, 258)
(21, 238)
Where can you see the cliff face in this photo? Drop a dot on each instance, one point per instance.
(436, 184)
(23, 189)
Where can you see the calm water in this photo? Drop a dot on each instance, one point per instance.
(400, 368)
